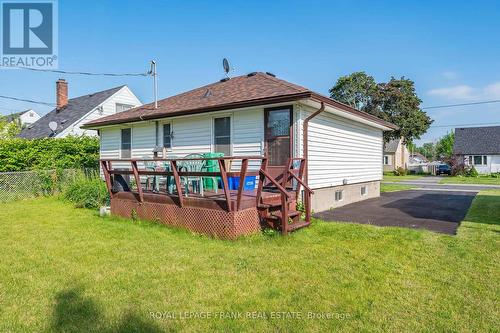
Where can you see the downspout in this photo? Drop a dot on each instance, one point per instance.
(305, 143)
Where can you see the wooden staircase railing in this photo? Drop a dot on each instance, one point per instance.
(288, 218)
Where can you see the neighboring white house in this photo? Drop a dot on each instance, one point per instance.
(71, 114)
(478, 146)
(259, 114)
(23, 118)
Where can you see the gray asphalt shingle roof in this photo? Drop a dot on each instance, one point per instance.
(77, 107)
(391, 146)
(477, 140)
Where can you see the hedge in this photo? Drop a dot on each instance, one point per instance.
(47, 154)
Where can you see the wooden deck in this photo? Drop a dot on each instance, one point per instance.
(223, 213)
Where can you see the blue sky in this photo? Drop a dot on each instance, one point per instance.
(451, 49)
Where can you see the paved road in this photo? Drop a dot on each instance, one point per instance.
(440, 211)
(432, 183)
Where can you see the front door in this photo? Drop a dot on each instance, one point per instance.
(278, 138)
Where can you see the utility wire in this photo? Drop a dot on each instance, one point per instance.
(462, 104)
(462, 125)
(27, 100)
(80, 73)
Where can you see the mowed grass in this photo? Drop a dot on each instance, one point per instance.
(392, 178)
(481, 180)
(394, 187)
(67, 270)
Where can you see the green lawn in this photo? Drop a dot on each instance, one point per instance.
(67, 270)
(483, 180)
(392, 178)
(394, 187)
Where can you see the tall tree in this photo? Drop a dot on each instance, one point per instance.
(444, 147)
(395, 101)
(428, 150)
(355, 90)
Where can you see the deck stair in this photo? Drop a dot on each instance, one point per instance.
(277, 202)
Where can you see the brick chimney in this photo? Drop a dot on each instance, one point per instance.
(61, 93)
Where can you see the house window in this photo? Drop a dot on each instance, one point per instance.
(339, 195)
(478, 160)
(222, 135)
(167, 136)
(386, 159)
(126, 143)
(119, 107)
(363, 190)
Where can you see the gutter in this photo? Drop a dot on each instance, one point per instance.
(305, 144)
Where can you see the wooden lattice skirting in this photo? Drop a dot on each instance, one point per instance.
(212, 222)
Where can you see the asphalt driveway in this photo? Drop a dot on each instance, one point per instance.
(440, 211)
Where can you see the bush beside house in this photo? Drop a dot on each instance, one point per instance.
(49, 154)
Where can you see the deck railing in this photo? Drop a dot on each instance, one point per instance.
(176, 169)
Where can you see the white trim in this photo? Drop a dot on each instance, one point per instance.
(345, 114)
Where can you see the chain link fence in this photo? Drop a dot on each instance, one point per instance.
(30, 184)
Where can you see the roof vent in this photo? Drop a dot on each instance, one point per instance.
(270, 74)
(251, 74)
(207, 93)
(224, 79)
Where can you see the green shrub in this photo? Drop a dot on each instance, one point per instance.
(49, 154)
(472, 172)
(87, 191)
(400, 172)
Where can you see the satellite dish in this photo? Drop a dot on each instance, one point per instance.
(225, 65)
(53, 126)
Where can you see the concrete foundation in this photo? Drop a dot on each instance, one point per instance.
(325, 198)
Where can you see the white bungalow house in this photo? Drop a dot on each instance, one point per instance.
(478, 146)
(23, 118)
(70, 114)
(259, 114)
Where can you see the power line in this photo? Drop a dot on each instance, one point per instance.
(462, 104)
(462, 125)
(26, 100)
(80, 73)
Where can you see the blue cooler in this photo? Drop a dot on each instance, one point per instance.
(234, 183)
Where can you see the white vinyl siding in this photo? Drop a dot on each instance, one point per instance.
(489, 163)
(340, 149)
(192, 135)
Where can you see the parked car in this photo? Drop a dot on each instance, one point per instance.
(443, 169)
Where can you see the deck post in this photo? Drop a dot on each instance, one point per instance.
(223, 173)
(284, 214)
(107, 177)
(243, 174)
(263, 167)
(177, 182)
(135, 170)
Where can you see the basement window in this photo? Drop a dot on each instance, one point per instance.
(339, 195)
(363, 190)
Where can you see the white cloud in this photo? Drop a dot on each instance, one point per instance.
(449, 75)
(492, 90)
(465, 92)
(456, 92)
